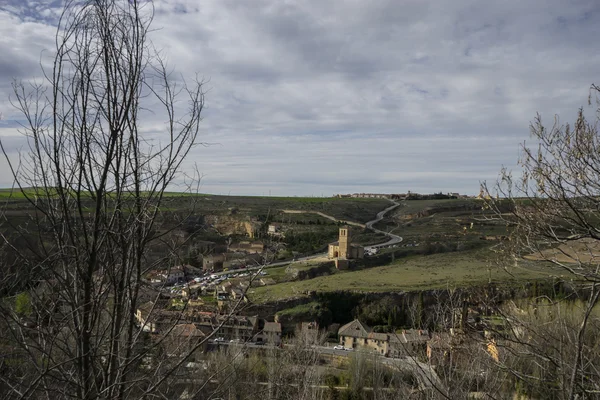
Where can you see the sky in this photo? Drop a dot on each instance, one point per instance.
(315, 98)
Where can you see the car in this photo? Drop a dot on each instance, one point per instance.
(219, 339)
(338, 347)
(348, 348)
(235, 341)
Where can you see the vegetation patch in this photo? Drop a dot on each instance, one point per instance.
(414, 273)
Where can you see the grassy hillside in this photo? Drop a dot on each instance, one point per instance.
(414, 273)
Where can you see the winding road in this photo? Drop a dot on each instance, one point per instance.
(393, 239)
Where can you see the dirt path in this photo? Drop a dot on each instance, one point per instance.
(324, 216)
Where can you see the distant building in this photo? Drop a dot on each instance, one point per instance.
(183, 339)
(408, 342)
(310, 331)
(344, 250)
(173, 275)
(274, 228)
(247, 247)
(271, 334)
(231, 260)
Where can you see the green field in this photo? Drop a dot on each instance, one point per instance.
(422, 221)
(457, 269)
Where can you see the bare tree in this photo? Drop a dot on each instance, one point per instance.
(553, 209)
(96, 182)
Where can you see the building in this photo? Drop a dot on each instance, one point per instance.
(344, 250)
(173, 275)
(310, 331)
(213, 262)
(274, 228)
(247, 247)
(354, 334)
(154, 318)
(183, 339)
(271, 334)
(408, 342)
(230, 260)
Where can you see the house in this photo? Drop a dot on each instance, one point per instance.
(271, 334)
(274, 228)
(229, 327)
(142, 316)
(238, 260)
(172, 275)
(237, 327)
(213, 262)
(154, 318)
(310, 331)
(354, 334)
(408, 342)
(247, 247)
(237, 293)
(183, 339)
(439, 348)
(231, 260)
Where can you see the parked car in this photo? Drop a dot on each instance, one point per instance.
(348, 348)
(219, 339)
(338, 347)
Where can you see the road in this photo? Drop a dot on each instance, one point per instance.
(393, 239)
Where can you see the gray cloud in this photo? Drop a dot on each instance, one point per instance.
(312, 97)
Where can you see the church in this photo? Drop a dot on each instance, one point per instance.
(343, 250)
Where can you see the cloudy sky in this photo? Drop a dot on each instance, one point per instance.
(320, 97)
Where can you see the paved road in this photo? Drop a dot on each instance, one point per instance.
(394, 239)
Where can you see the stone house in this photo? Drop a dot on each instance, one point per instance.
(271, 334)
(229, 327)
(182, 339)
(310, 331)
(154, 318)
(408, 342)
(247, 247)
(213, 262)
(354, 334)
(173, 275)
(439, 348)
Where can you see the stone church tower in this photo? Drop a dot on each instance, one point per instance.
(344, 243)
